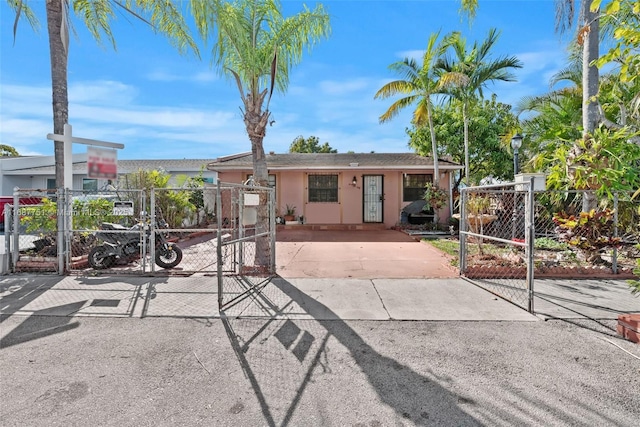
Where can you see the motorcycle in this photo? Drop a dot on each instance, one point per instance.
(121, 245)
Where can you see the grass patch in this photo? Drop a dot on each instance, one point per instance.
(448, 246)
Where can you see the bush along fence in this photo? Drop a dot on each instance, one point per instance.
(509, 233)
(224, 228)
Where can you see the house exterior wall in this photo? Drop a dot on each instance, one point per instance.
(292, 189)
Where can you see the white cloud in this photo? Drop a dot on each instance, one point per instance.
(99, 91)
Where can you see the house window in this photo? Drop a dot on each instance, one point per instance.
(413, 186)
(323, 188)
(271, 180)
(51, 183)
(89, 184)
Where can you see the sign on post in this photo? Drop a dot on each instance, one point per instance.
(102, 163)
(122, 207)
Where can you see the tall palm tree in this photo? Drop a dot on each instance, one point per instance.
(256, 46)
(162, 15)
(588, 36)
(419, 83)
(467, 72)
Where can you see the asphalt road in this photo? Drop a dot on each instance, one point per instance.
(78, 371)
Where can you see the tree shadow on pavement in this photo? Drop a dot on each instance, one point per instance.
(16, 292)
(285, 355)
(42, 324)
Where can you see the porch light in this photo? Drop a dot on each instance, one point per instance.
(354, 181)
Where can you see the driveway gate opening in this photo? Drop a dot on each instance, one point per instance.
(225, 231)
(496, 240)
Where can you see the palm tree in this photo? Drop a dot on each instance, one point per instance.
(588, 36)
(467, 73)
(256, 46)
(162, 15)
(419, 83)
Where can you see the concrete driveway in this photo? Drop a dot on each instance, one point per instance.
(380, 254)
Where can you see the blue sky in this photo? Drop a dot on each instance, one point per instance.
(162, 105)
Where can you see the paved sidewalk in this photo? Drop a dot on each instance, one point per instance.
(307, 298)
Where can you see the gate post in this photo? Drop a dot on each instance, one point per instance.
(219, 243)
(16, 230)
(462, 226)
(529, 241)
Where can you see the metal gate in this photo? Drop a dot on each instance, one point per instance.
(496, 240)
(226, 231)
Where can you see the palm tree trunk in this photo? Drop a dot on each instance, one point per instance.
(255, 121)
(590, 86)
(59, 54)
(465, 120)
(434, 155)
(434, 147)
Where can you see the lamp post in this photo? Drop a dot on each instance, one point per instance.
(516, 143)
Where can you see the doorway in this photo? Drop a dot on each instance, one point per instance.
(373, 198)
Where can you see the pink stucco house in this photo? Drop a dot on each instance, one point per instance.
(349, 189)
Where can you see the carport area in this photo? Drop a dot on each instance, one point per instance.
(381, 254)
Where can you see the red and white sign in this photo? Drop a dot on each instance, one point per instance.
(102, 163)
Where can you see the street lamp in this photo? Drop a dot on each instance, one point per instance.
(516, 143)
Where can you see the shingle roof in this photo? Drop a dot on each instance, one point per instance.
(331, 161)
(127, 166)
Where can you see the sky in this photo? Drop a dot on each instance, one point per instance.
(163, 105)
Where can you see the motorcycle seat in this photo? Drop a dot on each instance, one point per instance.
(111, 226)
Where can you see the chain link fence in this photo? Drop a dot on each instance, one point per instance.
(584, 234)
(245, 241)
(31, 232)
(496, 240)
(511, 235)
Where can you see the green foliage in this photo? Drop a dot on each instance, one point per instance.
(436, 197)
(41, 219)
(489, 120)
(290, 210)
(547, 243)
(478, 205)
(588, 231)
(310, 145)
(625, 14)
(173, 205)
(607, 162)
(635, 284)
(8, 151)
(85, 215)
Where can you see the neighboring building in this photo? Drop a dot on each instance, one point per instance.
(345, 188)
(38, 172)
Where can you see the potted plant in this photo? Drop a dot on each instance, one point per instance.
(436, 197)
(290, 213)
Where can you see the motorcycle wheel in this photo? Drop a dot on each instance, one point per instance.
(98, 258)
(168, 256)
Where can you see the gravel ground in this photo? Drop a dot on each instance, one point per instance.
(77, 371)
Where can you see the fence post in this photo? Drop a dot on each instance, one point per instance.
(219, 243)
(462, 225)
(529, 241)
(16, 229)
(273, 228)
(149, 233)
(8, 219)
